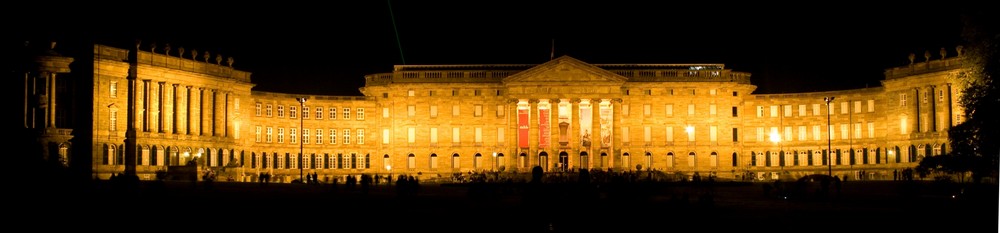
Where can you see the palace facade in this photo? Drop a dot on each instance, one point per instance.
(436, 120)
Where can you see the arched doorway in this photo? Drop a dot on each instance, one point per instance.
(543, 160)
(584, 160)
(563, 161)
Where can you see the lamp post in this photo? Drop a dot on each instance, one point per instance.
(829, 153)
(302, 105)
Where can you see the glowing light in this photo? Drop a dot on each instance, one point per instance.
(774, 137)
(689, 129)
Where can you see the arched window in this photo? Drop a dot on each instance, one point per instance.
(522, 160)
(626, 164)
(584, 160)
(434, 161)
(411, 161)
(477, 162)
(670, 159)
(543, 160)
(563, 161)
(455, 163)
(736, 160)
(692, 160)
(387, 163)
(604, 160)
(501, 163)
(713, 159)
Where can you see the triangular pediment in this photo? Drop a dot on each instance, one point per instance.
(565, 69)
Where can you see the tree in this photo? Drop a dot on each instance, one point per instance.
(974, 141)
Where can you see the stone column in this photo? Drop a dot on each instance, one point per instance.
(933, 109)
(51, 118)
(916, 103)
(161, 107)
(174, 106)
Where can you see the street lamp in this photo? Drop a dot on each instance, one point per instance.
(302, 105)
(829, 153)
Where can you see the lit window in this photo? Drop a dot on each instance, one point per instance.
(114, 89)
(305, 112)
(333, 113)
(319, 136)
(361, 136)
(292, 112)
(347, 113)
(281, 135)
(361, 114)
(347, 136)
(319, 113)
(268, 110)
(305, 136)
(257, 109)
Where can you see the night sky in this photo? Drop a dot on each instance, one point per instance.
(327, 47)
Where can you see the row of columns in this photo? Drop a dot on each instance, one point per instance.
(172, 108)
(932, 115)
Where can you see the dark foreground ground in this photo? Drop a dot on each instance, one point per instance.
(100, 206)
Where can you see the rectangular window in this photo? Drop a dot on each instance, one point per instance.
(902, 99)
(455, 135)
(319, 136)
(788, 111)
(434, 110)
(347, 136)
(816, 111)
(454, 92)
(385, 136)
(269, 131)
(625, 137)
(803, 133)
(319, 113)
(347, 113)
(293, 134)
(333, 136)
(760, 134)
(817, 134)
(713, 133)
(844, 131)
(411, 135)
(361, 114)
(625, 109)
(454, 110)
(477, 110)
(670, 134)
(500, 136)
(333, 113)
(871, 129)
(844, 108)
(711, 92)
(647, 134)
(281, 135)
(871, 105)
(114, 89)
(500, 110)
(646, 110)
(477, 92)
(479, 135)
(774, 111)
(690, 109)
(411, 93)
(711, 109)
(257, 134)
(411, 110)
(281, 110)
(857, 130)
(690, 132)
(736, 134)
(113, 121)
(760, 111)
(269, 110)
(670, 110)
(361, 136)
(736, 112)
(305, 136)
(788, 133)
(385, 112)
(305, 112)
(857, 106)
(434, 135)
(802, 110)
(257, 109)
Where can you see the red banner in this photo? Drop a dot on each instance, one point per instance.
(522, 128)
(544, 128)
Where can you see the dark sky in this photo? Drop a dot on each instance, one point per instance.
(327, 47)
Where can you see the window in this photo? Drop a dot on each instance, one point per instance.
(871, 105)
(385, 136)
(788, 111)
(857, 130)
(411, 110)
(434, 110)
(713, 132)
(477, 92)
(711, 109)
(434, 161)
(269, 130)
(647, 134)
(411, 161)
(319, 113)
(500, 136)
(803, 133)
(361, 136)
(690, 109)
(736, 93)
(500, 110)
(691, 159)
(857, 106)
(455, 162)
(319, 136)
(816, 111)
(455, 135)
(817, 134)
(385, 112)
(648, 92)
(333, 113)
(257, 109)
(361, 114)
(434, 135)
(411, 135)
(347, 136)
(477, 110)
(844, 108)
(760, 134)
(305, 112)
(257, 132)
(113, 120)
(774, 110)
(802, 110)
(940, 97)
(625, 135)
(454, 110)
(670, 110)
(844, 131)
(113, 89)
(411, 93)
(347, 113)
(268, 110)
(736, 134)
(902, 99)
(711, 92)
(281, 110)
(760, 111)
(293, 134)
(625, 109)
(788, 133)
(690, 132)
(902, 124)
(735, 112)
(281, 135)
(871, 129)
(454, 92)
(333, 136)
(670, 134)
(646, 110)
(479, 135)
(305, 135)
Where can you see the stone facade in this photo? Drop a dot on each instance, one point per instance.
(565, 114)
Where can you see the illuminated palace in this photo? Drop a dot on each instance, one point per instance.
(436, 120)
